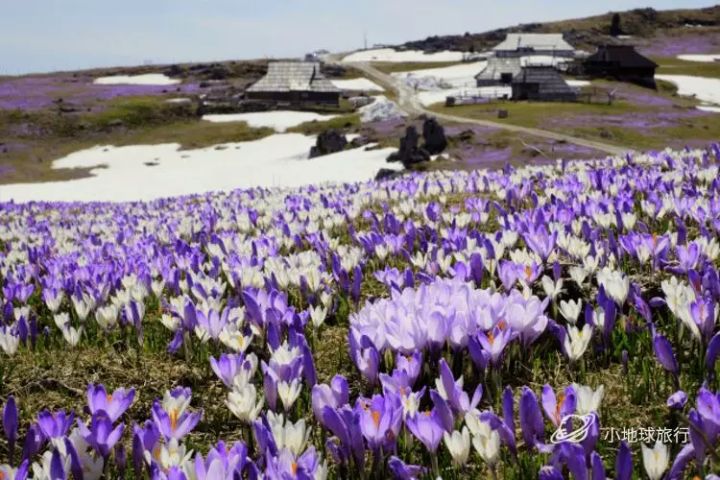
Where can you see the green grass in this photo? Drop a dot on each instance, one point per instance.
(393, 67)
(125, 122)
(691, 130)
(343, 122)
(533, 114)
(675, 66)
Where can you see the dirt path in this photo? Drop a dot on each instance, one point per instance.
(408, 101)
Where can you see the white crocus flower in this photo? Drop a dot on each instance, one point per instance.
(655, 460)
(53, 303)
(289, 392)
(106, 317)
(9, 343)
(587, 399)
(616, 284)
(61, 319)
(317, 316)
(552, 289)
(82, 306)
(171, 322)
(72, 335)
(487, 443)
(293, 436)
(243, 403)
(578, 275)
(577, 341)
(458, 444)
(571, 310)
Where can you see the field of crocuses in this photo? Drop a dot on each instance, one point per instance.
(555, 321)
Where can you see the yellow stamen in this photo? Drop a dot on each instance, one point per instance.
(376, 418)
(174, 414)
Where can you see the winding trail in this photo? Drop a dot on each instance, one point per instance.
(408, 102)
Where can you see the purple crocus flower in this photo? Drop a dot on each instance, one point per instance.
(380, 420)
(665, 355)
(677, 400)
(334, 395)
(411, 364)
(34, 441)
(403, 471)
(100, 434)
(427, 427)
(55, 426)
(10, 424)
(176, 423)
(557, 408)
(548, 472)
(344, 423)
(687, 453)
(703, 312)
(495, 341)
(366, 357)
(453, 393)
(112, 404)
(145, 438)
(531, 421)
(227, 367)
(597, 469)
(623, 462)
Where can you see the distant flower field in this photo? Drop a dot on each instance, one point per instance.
(555, 321)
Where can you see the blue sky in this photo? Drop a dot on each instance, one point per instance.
(47, 35)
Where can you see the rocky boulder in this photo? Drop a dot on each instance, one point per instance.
(434, 134)
(330, 141)
(410, 153)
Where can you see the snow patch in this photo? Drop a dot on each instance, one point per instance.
(380, 110)
(146, 172)
(357, 84)
(392, 55)
(146, 79)
(455, 76)
(578, 83)
(705, 89)
(279, 120)
(700, 58)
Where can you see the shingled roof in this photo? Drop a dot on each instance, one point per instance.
(534, 41)
(293, 76)
(624, 56)
(496, 66)
(550, 83)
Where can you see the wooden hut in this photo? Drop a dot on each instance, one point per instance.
(621, 62)
(295, 84)
(542, 83)
(525, 44)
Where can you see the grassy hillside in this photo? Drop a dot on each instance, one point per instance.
(644, 23)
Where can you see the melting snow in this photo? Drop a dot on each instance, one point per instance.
(705, 89)
(146, 172)
(700, 58)
(358, 84)
(279, 120)
(147, 79)
(392, 55)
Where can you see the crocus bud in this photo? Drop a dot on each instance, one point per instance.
(623, 463)
(10, 424)
(677, 400)
(664, 354)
